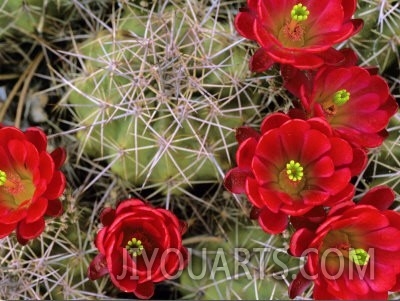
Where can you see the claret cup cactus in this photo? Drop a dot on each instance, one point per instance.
(159, 93)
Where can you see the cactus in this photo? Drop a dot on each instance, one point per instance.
(384, 167)
(243, 263)
(54, 266)
(159, 94)
(41, 16)
(378, 42)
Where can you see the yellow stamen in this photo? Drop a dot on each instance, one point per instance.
(341, 97)
(299, 12)
(134, 247)
(294, 171)
(359, 256)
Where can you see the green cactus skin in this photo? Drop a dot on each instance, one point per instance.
(159, 97)
(385, 164)
(378, 43)
(253, 269)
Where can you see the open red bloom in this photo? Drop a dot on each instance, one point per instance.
(299, 33)
(356, 104)
(30, 182)
(139, 246)
(293, 166)
(354, 254)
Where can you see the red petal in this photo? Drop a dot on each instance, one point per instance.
(314, 197)
(14, 216)
(315, 145)
(341, 152)
(270, 149)
(325, 16)
(107, 216)
(245, 132)
(272, 121)
(292, 137)
(298, 285)
(144, 290)
(36, 210)
(37, 137)
(235, 180)
(307, 61)
(56, 187)
(333, 57)
(98, 267)
(253, 193)
(359, 161)
(129, 205)
(322, 168)
(260, 61)
(183, 226)
(254, 213)
(29, 231)
(271, 199)
(264, 171)
(6, 229)
(300, 241)
(54, 208)
(273, 223)
(8, 133)
(386, 238)
(245, 153)
(244, 24)
(46, 166)
(339, 180)
(122, 271)
(311, 220)
(381, 197)
(17, 150)
(59, 155)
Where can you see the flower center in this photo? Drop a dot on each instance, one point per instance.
(292, 33)
(330, 106)
(11, 183)
(294, 171)
(16, 189)
(359, 256)
(134, 247)
(341, 97)
(299, 12)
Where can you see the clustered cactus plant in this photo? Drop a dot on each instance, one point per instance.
(146, 96)
(159, 92)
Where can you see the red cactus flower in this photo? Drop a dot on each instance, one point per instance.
(299, 33)
(356, 104)
(139, 245)
(291, 167)
(30, 182)
(354, 254)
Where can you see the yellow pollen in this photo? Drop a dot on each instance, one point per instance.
(299, 13)
(341, 97)
(134, 247)
(359, 256)
(3, 177)
(294, 171)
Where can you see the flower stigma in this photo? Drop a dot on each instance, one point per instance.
(10, 182)
(292, 33)
(294, 171)
(341, 97)
(359, 256)
(134, 247)
(299, 13)
(3, 178)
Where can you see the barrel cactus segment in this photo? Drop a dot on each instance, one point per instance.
(243, 263)
(159, 94)
(378, 42)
